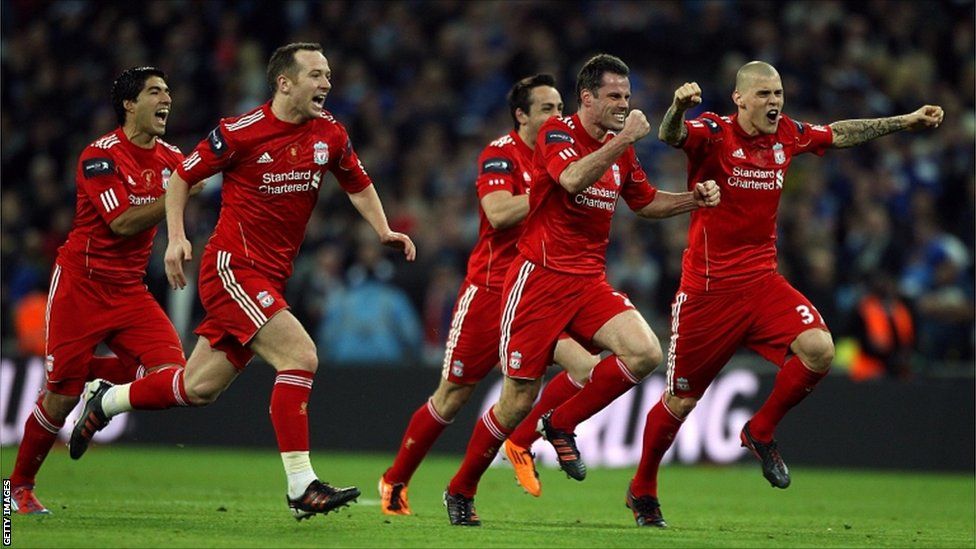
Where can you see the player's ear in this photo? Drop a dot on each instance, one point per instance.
(737, 99)
(521, 116)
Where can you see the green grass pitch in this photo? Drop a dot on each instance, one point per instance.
(131, 496)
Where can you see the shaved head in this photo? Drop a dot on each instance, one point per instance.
(752, 71)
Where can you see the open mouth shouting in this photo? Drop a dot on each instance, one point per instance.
(772, 115)
(319, 100)
(161, 115)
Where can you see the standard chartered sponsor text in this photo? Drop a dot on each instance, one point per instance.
(598, 198)
(305, 181)
(760, 180)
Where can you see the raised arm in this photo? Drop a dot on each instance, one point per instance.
(579, 175)
(665, 204)
(368, 204)
(673, 130)
(848, 133)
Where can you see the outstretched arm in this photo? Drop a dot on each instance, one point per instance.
(672, 130)
(848, 133)
(368, 204)
(665, 204)
(139, 218)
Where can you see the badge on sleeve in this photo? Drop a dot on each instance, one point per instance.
(217, 143)
(94, 167)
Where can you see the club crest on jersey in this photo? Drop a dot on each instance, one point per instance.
(779, 155)
(265, 299)
(321, 153)
(165, 175)
(514, 360)
(683, 384)
(616, 174)
(457, 368)
(49, 363)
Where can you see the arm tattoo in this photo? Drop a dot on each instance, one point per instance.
(673, 130)
(848, 133)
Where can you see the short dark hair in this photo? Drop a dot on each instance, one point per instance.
(520, 96)
(591, 75)
(128, 86)
(283, 61)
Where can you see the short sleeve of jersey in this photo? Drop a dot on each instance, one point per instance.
(210, 156)
(811, 138)
(557, 146)
(349, 171)
(99, 178)
(496, 171)
(701, 132)
(638, 192)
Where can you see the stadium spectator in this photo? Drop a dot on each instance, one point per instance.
(885, 332)
(97, 292)
(557, 281)
(369, 320)
(504, 177)
(273, 160)
(730, 294)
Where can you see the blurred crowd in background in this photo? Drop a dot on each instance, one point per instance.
(881, 237)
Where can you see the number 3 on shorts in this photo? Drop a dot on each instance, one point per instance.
(805, 314)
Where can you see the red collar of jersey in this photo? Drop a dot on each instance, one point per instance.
(584, 135)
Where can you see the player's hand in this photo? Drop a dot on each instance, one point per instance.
(197, 188)
(707, 194)
(178, 252)
(929, 116)
(687, 96)
(635, 126)
(400, 241)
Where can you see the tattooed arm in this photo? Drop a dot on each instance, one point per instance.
(848, 133)
(673, 130)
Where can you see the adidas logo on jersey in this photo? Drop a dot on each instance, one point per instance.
(265, 158)
(738, 154)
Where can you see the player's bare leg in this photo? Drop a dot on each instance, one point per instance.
(813, 352)
(287, 347)
(636, 351)
(426, 425)
(490, 432)
(577, 363)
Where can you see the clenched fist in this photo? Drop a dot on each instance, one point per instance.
(687, 96)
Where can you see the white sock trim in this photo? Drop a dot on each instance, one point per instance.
(298, 469)
(116, 400)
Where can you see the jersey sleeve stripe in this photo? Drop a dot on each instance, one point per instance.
(245, 121)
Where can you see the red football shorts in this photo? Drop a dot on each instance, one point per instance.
(708, 328)
(238, 301)
(539, 304)
(82, 312)
(471, 349)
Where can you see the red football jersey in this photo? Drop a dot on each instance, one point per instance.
(733, 242)
(114, 174)
(569, 232)
(504, 165)
(272, 174)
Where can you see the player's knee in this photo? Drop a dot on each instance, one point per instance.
(202, 393)
(449, 398)
(679, 406)
(644, 358)
(57, 407)
(816, 349)
(307, 360)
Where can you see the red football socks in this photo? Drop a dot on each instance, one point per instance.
(659, 431)
(610, 378)
(40, 432)
(159, 390)
(485, 441)
(793, 383)
(289, 403)
(422, 431)
(559, 390)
